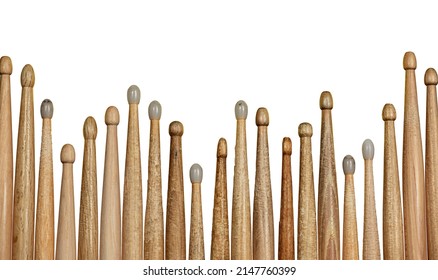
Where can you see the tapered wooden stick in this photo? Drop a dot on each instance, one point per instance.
(371, 248)
(220, 240)
(88, 227)
(66, 235)
(110, 223)
(132, 232)
(6, 160)
(286, 246)
(328, 206)
(431, 80)
(307, 237)
(24, 191)
(45, 217)
(350, 245)
(241, 245)
(393, 240)
(414, 198)
(175, 218)
(196, 244)
(154, 224)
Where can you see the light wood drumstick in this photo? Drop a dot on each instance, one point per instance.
(263, 224)
(350, 245)
(175, 217)
(154, 224)
(307, 237)
(24, 191)
(196, 244)
(286, 250)
(431, 80)
(328, 206)
(220, 240)
(132, 233)
(393, 240)
(88, 224)
(371, 249)
(414, 198)
(110, 223)
(45, 216)
(241, 245)
(66, 235)
(6, 160)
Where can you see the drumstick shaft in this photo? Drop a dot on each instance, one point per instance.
(196, 244)
(350, 245)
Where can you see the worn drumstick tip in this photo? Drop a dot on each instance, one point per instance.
(349, 165)
(368, 150)
(389, 113)
(430, 78)
(112, 116)
(262, 117)
(176, 128)
(134, 95)
(241, 110)
(90, 129)
(5, 65)
(222, 148)
(409, 61)
(68, 154)
(287, 146)
(46, 109)
(326, 101)
(154, 110)
(27, 76)
(305, 130)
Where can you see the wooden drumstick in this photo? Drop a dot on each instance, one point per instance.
(66, 235)
(45, 216)
(196, 244)
(24, 191)
(88, 226)
(6, 160)
(132, 233)
(263, 223)
(241, 245)
(286, 250)
(414, 198)
(307, 237)
(393, 240)
(220, 240)
(175, 217)
(328, 207)
(371, 249)
(431, 80)
(154, 224)
(110, 223)
(350, 245)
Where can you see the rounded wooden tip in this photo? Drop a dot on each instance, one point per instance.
(67, 154)
(46, 109)
(389, 113)
(368, 149)
(326, 101)
(112, 116)
(196, 173)
(262, 117)
(27, 76)
(5, 65)
(305, 130)
(349, 165)
(430, 77)
(287, 146)
(154, 110)
(241, 110)
(409, 61)
(222, 148)
(134, 94)
(176, 128)
(90, 129)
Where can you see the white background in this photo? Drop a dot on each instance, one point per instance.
(198, 58)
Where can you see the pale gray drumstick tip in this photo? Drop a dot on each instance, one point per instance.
(46, 109)
(349, 165)
(154, 110)
(241, 110)
(196, 173)
(134, 95)
(368, 149)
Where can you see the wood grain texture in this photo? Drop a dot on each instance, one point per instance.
(414, 198)
(220, 239)
(45, 216)
(6, 160)
(307, 230)
(24, 191)
(431, 80)
(110, 222)
(196, 242)
(241, 244)
(328, 205)
(175, 218)
(393, 239)
(66, 234)
(88, 223)
(286, 243)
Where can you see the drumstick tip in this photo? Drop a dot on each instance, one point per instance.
(112, 116)
(349, 165)
(154, 110)
(222, 148)
(241, 110)
(430, 77)
(134, 95)
(68, 154)
(326, 101)
(27, 76)
(388, 112)
(262, 117)
(176, 128)
(409, 61)
(46, 109)
(196, 173)
(305, 130)
(5, 65)
(368, 149)
(287, 146)
(90, 129)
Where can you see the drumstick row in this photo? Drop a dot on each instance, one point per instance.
(410, 227)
